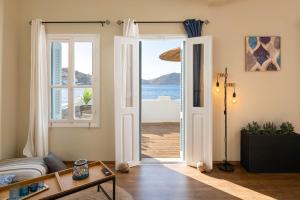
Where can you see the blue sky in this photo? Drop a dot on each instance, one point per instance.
(83, 56)
(152, 65)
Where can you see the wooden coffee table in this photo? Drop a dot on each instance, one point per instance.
(61, 183)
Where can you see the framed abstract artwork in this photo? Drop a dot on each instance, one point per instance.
(263, 53)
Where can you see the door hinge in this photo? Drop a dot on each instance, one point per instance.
(181, 115)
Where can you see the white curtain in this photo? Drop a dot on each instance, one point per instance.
(130, 29)
(37, 141)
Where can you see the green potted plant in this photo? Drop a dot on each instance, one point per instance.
(267, 149)
(287, 128)
(86, 99)
(269, 128)
(252, 128)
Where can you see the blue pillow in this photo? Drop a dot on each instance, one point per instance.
(6, 180)
(53, 163)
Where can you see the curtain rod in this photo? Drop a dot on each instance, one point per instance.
(119, 22)
(105, 22)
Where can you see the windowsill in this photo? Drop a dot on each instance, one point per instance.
(75, 124)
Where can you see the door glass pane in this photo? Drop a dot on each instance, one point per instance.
(198, 75)
(59, 103)
(59, 63)
(127, 60)
(83, 102)
(83, 63)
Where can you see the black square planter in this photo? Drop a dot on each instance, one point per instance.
(270, 153)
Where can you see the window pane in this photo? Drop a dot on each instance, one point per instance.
(127, 59)
(59, 63)
(198, 79)
(59, 103)
(83, 59)
(83, 101)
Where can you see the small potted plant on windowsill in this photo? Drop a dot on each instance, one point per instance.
(267, 149)
(86, 99)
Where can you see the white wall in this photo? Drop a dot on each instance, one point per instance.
(162, 109)
(261, 96)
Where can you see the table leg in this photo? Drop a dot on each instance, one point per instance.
(114, 188)
(100, 188)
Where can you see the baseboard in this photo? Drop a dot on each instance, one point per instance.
(232, 162)
(70, 163)
(109, 162)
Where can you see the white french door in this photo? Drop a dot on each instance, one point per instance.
(198, 101)
(126, 75)
(197, 107)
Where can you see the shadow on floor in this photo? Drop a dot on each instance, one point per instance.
(179, 182)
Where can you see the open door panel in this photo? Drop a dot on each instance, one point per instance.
(198, 106)
(126, 81)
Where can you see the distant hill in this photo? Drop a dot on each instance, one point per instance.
(168, 79)
(85, 79)
(80, 78)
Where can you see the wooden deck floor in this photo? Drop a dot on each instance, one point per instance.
(160, 140)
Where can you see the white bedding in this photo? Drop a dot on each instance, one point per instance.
(23, 168)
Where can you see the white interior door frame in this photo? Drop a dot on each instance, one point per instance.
(183, 38)
(198, 120)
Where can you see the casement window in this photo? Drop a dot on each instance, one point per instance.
(73, 62)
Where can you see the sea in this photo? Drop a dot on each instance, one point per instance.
(154, 91)
(148, 92)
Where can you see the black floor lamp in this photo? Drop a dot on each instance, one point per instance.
(225, 165)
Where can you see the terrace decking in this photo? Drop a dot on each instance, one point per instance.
(160, 140)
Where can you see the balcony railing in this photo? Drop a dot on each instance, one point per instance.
(162, 109)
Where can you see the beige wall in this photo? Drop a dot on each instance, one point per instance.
(261, 96)
(1, 50)
(9, 52)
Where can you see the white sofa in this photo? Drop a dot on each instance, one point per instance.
(23, 168)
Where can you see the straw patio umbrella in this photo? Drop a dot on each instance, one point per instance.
(171, 55)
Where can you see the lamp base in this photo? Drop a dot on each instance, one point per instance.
(226, 166)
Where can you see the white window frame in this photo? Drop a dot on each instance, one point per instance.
(71, 39)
